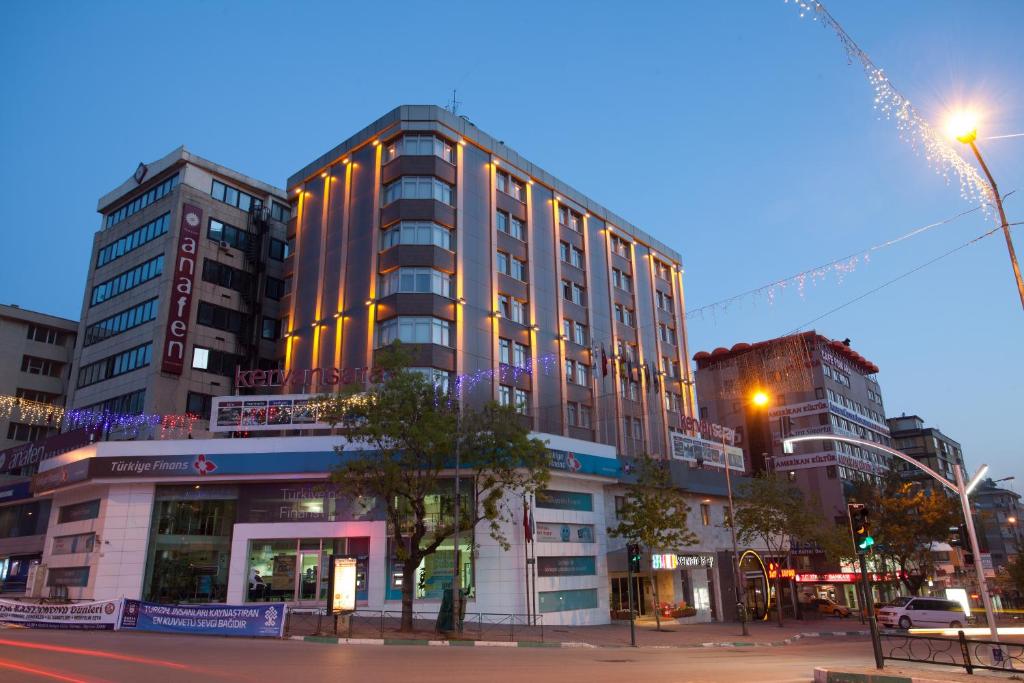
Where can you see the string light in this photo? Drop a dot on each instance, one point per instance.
(893, 105)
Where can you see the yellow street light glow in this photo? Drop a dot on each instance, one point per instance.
(760, 398)
(963, 126)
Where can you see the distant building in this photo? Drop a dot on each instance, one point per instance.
(997, 520)
(185, 278)
(813, 385)
(35, 360)
(928, 445)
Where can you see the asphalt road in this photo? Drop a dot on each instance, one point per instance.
(104, 657)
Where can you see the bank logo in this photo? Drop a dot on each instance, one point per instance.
(573, 462)
(192, 219)
(109, 608)
(203, 465)
(271, 617)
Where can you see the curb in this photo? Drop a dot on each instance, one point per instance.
(823, 675)
(329, 640)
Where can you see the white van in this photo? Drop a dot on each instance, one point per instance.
(910, 612)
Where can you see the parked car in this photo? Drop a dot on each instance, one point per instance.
(830, 607)
(908, 612)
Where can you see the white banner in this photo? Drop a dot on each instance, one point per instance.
(76, 615)
(798, 409)
(806, 461)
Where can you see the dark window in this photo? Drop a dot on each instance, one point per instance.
(280, 212)
(279, 250)
(133, 240)
(274, 288)
(198, 404)
(142, 201)
(35, 395)
(121, 322)
(219, 231)
(127, 404)
(220, 318)
(78, 512)
(117, 364)
(216, 362)
(17, 431)
(271, 329)
(225, 276)
(127, 280)
(41, 366)
(46, 335)
(237, 198)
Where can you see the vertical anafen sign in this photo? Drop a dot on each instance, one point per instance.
(181, 290)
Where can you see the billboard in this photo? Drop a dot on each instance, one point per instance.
(698, 450)
(265, 413)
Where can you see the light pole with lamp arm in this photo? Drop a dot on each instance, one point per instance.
(961, 488)
(963, 126)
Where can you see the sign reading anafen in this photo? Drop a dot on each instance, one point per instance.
(176, 334)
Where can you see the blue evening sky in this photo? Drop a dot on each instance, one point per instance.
(734, 131)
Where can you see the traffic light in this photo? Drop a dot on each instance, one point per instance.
(633, 550)
(957, 536)
(862, 539)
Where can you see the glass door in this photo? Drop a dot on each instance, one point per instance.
(309, 575)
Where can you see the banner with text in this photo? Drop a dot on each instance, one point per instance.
(79, 616)
(265, 621)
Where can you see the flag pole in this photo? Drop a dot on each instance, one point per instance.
(526, 559)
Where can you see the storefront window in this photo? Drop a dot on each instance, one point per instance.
(190, 544)
(434, 574)
(296, 569)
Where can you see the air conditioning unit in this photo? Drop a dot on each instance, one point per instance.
(224, 245)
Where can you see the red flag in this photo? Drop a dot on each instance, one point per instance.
(527, 522)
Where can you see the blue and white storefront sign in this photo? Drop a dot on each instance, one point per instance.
(265, 621)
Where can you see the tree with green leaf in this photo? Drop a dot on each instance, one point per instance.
(906, 520)
(409, 431)
(770, 511)
(653, 514)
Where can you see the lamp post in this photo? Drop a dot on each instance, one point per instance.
(740, 585)
(961, 488)
(963, 127)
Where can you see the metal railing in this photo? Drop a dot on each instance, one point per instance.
(386, 624)
(959, 652)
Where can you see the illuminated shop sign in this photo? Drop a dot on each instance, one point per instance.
(674, 561)
(343, 584)
(776, 572)
(841, 577)
(305, 377)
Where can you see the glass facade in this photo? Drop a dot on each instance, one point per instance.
(296, 569)
(190, 544)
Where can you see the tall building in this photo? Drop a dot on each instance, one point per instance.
(185, 279)
(499, 276)
(35, 360)
(929, 446)
(997, 518)
(814, 386)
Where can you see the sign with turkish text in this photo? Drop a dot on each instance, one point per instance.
(303, 378)
(569, 565)
(691, 560)
(708, 429)
(841, 577)
(805, 461)
(65, 475)
(266, 620)
(553, 532)
(552, 499)
(182, 284)
(100, 615)
(798, 409)
(43, 449)
(775, 571)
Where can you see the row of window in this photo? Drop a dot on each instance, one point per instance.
(574, 293)
(570, 219)
(127, 280)
(516, 310)
(18, 431)
(214, 361)
(421, 280)
(414, 330)
(46, 335)
(419, 145)
(513, 353)
(417, 232)
(874, 396)
(578, 415)
(41, 366)
(519, 398)
(237, 198)
(510, 225)
(664, 301)
(629, 388)
(622, 280)
(663, 270)
(667, 334)
(671, 368)
(633, 427)
(621, 247)
(117, 364)
(577, 372)
(570, 254)
(838, 376)
(142, 201)
(510, 185)
(855, 406)
(121, 322)
(511, 266)
(224, 275)
(36, 395)
(131, 403)
(673, 402)
(574, 331)
(419, 187)
(625, 315)
(219, 231)
(133, 240)
(220, 318)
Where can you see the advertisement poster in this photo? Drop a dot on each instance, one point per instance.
(265, 620)
(580, 565)
(79, 616)
(264, 413)
(283, 578)
(552, 532)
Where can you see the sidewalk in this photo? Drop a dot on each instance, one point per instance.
(616, 634)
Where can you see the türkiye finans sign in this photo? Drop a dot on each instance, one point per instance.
(301, 378)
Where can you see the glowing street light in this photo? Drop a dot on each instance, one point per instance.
(760, 398)
(963, 126)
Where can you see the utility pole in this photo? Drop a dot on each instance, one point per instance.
(457, 569)
(738, 585)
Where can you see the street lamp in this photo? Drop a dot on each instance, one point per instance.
(963, 126)
(961, 488)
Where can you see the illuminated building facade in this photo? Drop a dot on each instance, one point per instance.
(500, 277)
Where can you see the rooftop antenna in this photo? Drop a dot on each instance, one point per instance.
(453, 103)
